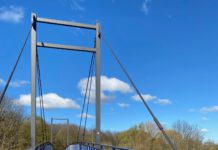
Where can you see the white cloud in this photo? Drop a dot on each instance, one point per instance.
(145, 6)
(108, 85)
(88, 116)
(51, 100)
(155, 99)
(11, 14)
(114, 84)
(163, 101)
(147, 97)
(204, 130)
(19, 83)
(123, 105)
(209, 109)
(76, 5)
(15, 84)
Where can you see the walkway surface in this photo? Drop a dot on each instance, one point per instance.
(78, 147)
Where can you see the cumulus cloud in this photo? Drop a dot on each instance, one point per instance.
(11, 14)
(15, 84)
(108, 85)
(51, 100)
(123, 105)
(163, 101)
(84, 116)
(145, 6)
(204, 130)
(209, 109)
(147, 97)
(114, 84)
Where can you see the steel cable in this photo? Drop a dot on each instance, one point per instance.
(41, 101)
(139, 93)
(87, 108)
(15, 66)
(85, 96)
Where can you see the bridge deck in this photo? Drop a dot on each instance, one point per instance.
(93, 146)
(81, 146)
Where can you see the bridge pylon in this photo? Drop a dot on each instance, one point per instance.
(96, 49)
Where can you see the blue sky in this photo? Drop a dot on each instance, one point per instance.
(169, 48)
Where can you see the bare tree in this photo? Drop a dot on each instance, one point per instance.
(190, 135)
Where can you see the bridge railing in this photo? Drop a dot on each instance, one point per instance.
(94, 146)
(44, 146)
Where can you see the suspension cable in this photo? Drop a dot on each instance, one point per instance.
(41, 101)
(15, 66)
(87, 108)
(85, 97)
(139, 93)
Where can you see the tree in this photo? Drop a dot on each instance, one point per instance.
(10, 123)
(15, 133)
(190, 136)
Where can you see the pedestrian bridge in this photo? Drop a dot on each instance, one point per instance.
(95, 61)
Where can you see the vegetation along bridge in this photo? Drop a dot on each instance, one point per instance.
(95, 63)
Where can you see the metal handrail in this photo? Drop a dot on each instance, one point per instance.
(43, 145)
(100, 146)
(103, 146)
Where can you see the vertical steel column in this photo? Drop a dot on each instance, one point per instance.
(51, 130)
(98, 85)
(33, 81)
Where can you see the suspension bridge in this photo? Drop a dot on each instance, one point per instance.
(95, 63)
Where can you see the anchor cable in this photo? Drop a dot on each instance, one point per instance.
(139, 93)
(15, 66)
(41, 101)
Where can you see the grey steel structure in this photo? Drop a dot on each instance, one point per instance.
(35, 44)
(64, 119)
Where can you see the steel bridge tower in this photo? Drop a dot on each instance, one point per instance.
(34, 44)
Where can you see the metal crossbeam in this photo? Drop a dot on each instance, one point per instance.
(66, 23)
(65, 47)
